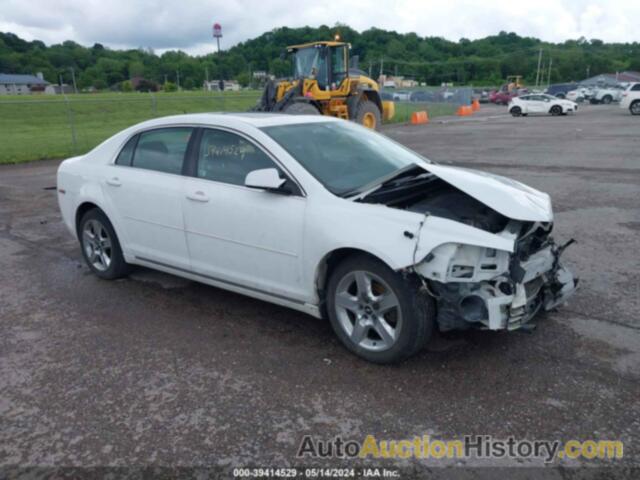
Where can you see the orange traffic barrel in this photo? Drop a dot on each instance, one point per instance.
(419, 118)
(475, 105)
(464, 110)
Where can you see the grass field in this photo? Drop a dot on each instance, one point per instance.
(40, 127)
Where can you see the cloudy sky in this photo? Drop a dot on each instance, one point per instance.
(186, 24)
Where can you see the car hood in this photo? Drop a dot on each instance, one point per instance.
(504, 195)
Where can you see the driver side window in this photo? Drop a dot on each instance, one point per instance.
(228, 158)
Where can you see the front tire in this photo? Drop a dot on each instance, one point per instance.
(100, 246)
(607, 99)
(368, 115)
(556, 110)
(378, 314)
(634, 108)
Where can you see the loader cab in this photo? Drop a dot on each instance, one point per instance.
(326, 62)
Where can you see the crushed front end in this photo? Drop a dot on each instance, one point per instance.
(495, 289)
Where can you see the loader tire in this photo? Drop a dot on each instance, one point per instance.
(300, 108)
(368, 115)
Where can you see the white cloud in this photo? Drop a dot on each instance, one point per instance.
(186, 25)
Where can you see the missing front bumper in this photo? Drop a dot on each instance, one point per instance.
(503, 303)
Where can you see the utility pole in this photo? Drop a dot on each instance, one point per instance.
(73, 77)
(549, 72)
(178, 79)
(370, 69)
(381, 67)
(538, 70)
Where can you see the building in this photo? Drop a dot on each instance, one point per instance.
(229, 85)
(389, 81)
(63, 89)
(611, 79)
(16, 84)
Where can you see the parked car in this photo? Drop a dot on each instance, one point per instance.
(541, 103)
(580, 94)
(503, 97)
(421, 96)
(606, 95)
(631, 98)
(320, 215)
(401, 96)
(481, 94)
(560, 89)
(384, 95)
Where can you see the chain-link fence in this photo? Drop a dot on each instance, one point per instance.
(437, 101)
(38, 127)
(33, 128)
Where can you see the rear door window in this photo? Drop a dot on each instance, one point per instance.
(162, 150)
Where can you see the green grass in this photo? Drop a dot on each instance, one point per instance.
(404, 110)
(40, 126)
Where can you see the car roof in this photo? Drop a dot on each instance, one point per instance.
(255, 119)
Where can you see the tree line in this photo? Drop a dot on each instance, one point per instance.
(434, 60)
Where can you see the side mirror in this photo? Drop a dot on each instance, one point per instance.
(265, 179)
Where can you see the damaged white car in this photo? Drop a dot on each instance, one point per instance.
(320, 215)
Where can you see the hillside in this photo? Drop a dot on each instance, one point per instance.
(430, 59)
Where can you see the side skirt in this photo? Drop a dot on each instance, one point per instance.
(300, 306)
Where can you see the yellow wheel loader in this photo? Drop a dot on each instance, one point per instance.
(323, 84)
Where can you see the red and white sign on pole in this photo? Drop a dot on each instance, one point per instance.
(217, 34)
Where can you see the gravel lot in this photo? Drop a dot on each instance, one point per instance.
(156, 370)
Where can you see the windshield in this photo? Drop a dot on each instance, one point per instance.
(310, 64)
(343, 156)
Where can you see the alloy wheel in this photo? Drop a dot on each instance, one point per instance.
(97, 245)
(368, 310)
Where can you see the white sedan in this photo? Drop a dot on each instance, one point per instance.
(540, 103)
(320, 215)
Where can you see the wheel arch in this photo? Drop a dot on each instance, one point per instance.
(82, 209)
(327, 265)
(363, 94)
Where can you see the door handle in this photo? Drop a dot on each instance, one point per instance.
(114, 182)
(198, 196)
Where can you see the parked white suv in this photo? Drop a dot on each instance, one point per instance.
(631, 98)
(606, 95)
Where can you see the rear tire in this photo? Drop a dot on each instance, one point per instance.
(634, 108)
(515, 111)
(100, 246)
(368, 115)
(380, 315)
(300, 108)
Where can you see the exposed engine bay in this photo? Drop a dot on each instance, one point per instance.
(483, 287)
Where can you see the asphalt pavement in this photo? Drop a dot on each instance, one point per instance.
(154, 370)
